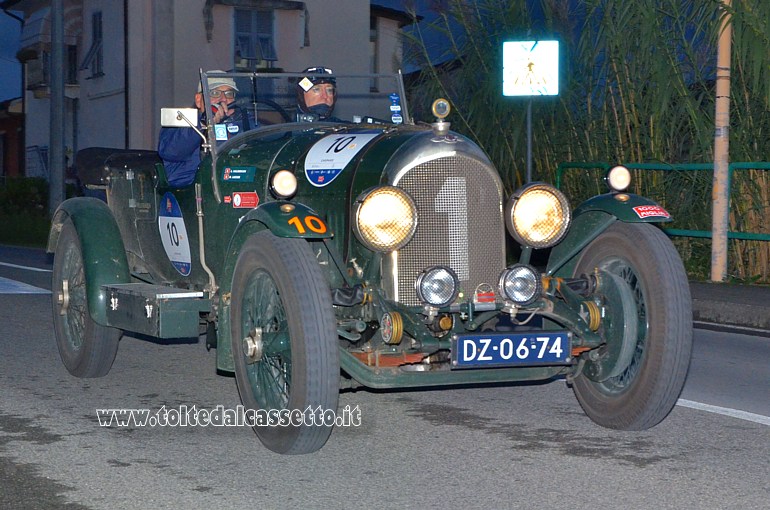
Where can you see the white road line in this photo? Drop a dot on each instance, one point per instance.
(25, 267)
(13, 287)
(726, 411)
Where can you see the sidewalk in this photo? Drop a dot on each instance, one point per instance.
(745, 306)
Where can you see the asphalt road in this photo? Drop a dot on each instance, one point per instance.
(509, 446)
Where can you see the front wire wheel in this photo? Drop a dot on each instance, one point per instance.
(86, 348)
(635, 385)
(284, 341)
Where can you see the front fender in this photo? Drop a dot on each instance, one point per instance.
(283, 219)
(104, 256)
(593, 217)
(626, 207)
(288, 219)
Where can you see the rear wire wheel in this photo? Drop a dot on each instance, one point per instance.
(644, 286)
(86, 348)
(284, 339)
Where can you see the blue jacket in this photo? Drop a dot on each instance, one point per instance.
(180, 148)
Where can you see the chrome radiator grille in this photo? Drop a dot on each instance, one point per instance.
(460, 225)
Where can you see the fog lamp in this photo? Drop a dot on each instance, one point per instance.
(520, 284)
(437, 286)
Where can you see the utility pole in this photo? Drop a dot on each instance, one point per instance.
(720, 193)
(56, 164)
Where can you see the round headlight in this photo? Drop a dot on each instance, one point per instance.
(619, 178)
(537, 215)
(437, 286)
(385, 218)
(521, 284)
(283, 184)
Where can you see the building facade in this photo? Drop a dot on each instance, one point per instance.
(125, 60)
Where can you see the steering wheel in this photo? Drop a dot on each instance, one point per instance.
(274, 106)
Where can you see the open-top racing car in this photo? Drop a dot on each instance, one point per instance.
(368, 250)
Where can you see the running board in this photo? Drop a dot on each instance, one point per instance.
(155, 310)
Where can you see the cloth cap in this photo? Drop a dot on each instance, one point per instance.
(218, 81)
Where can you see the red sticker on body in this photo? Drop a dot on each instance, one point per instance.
(485, 297)
(245, 199)
(646, 211)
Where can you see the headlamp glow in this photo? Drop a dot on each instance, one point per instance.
(618, 178)
(385, 218)
(537, 215)
(284, 184)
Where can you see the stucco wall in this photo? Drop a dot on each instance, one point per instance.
(167, 45)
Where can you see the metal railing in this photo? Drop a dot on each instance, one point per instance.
(701, 167)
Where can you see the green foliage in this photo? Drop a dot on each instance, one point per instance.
(637, 84)
(24, 196)
(24, 229)
(24, 210)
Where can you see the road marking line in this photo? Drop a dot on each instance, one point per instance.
(726, 411)
(25, 267)
(13, 287)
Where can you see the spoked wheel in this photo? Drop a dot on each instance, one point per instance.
(641, 370)
(284, 341)
(86, 348)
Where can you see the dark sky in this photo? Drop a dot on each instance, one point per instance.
(10, 69)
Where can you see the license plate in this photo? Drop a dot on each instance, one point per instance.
(511, 349)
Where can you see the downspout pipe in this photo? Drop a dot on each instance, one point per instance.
(125, 75)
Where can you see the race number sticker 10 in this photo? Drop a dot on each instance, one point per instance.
(331, 154)
(174, 234)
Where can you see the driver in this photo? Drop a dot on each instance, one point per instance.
(179, 148)
(316, 95)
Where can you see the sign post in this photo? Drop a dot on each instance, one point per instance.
(530, 68)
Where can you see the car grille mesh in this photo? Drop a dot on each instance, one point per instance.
(460, 224)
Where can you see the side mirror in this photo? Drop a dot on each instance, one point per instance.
(178, 117)
(182, 117)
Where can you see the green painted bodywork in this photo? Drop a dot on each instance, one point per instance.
(104, 256)
(292, 223)
(592, 218)
(135, 196)
(621, 205)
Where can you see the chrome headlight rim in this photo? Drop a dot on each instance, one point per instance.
(516, 199)
(618, 178)
(283, 184)
(536, 281)
(427, 273)
(365, 199)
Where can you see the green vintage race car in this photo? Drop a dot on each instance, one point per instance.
(369, 251)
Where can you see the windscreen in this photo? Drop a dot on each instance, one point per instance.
(265, 99)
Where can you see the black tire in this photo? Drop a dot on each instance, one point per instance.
(638, 261)
(86, 348)
(278, 287)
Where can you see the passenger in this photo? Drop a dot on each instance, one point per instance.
(316, 95)
(179, 148)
